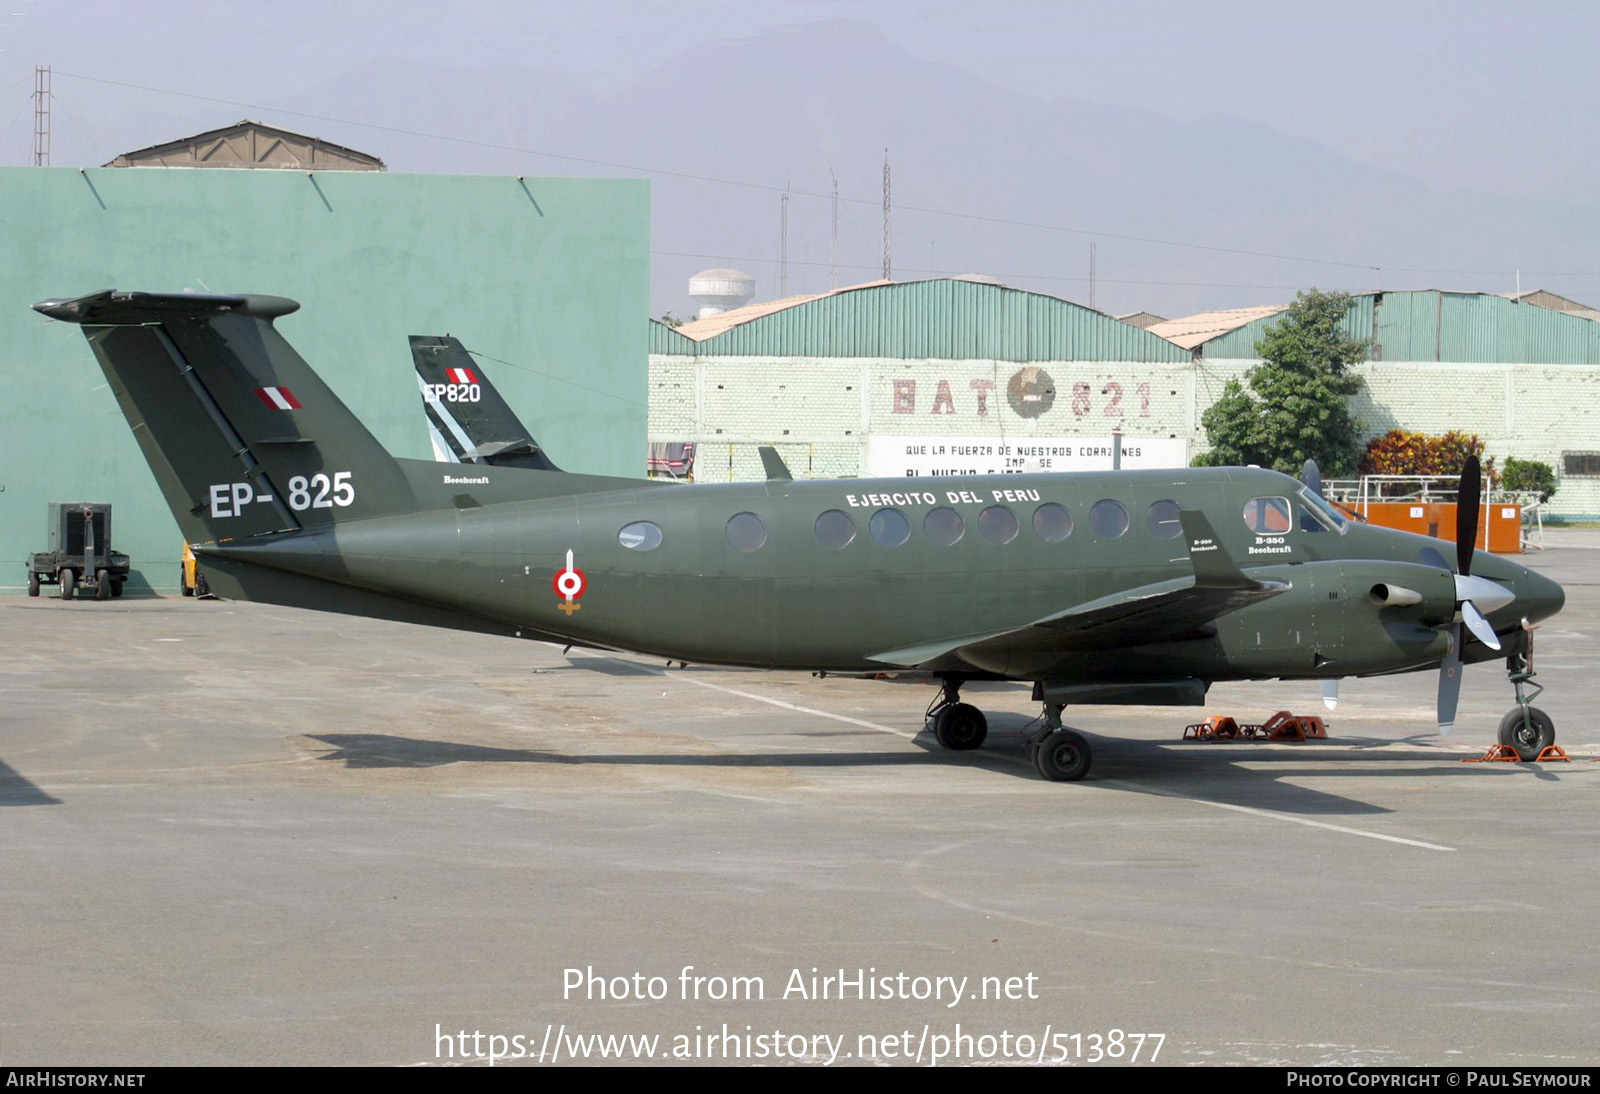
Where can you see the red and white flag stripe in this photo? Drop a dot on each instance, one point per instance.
(460, 376)
(278, 398)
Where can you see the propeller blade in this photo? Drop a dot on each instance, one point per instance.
(1450, 680)
(1330, 693)
(1469, 494)
(1311, 475)
(1478, 625)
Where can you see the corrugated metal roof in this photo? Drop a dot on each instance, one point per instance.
(1545, 299)
(1193, 330)
(1422, 325)
(665, 339)
(943, 319)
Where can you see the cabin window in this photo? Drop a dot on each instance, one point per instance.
(835, 530)
(1052, 522)
(641, 535)
(997, 524)
(889, 527)
(746, 532)
(1267, 516)
(1108, 519)
(944, 526)
(1162, 519)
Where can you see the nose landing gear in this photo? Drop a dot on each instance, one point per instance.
(1525, 727)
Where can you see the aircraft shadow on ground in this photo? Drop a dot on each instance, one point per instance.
(15, 789)
(1211, 773)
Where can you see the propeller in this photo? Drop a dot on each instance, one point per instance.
(1311, 475)
(1473, 594)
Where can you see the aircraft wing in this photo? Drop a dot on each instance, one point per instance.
(1150, 613)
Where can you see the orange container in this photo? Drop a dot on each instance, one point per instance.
(1500, 522)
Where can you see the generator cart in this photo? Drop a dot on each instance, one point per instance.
(80, 554)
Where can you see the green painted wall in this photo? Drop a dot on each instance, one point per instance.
(549, 275)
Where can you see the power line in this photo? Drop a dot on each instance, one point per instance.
(769, 188)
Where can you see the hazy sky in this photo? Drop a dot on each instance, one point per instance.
(1479, 96)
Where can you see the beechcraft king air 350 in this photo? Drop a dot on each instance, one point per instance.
(1137, 587)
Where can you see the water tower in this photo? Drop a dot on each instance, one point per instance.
(719, 290)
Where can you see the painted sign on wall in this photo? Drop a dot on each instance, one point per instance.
(917, 456)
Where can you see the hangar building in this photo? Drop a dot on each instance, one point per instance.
(548, 275)
(826, 379)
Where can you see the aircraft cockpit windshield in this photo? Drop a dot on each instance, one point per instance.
(1316, 515)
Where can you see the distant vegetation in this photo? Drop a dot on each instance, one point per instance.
(1297, 407)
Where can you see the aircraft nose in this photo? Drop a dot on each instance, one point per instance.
(1538, 597)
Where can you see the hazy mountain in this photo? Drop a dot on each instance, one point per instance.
(784, 106)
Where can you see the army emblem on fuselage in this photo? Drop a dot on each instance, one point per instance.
(570, 584)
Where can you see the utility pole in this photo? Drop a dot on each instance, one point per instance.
(834, 251)
(888, 267)
(783, 243)
(1091, 275)
(41, 116)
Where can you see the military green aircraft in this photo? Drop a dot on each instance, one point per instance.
(1130, 587)
(468, 420)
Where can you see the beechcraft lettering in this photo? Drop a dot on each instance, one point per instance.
(452, 393)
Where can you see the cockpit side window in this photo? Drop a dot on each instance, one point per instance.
(1318, 515)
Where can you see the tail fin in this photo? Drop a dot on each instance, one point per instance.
(244, 438)
(468, 421)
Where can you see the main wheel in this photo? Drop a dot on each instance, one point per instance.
(960, 727)
(33, 583)
(69, 583)
(102, 585)
(1529, 736)
(116, 586)
(1063, 756)
(200, 586)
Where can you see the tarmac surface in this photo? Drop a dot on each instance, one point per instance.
(234, 833)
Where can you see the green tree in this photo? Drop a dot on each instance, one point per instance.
(1529, 475)
(1297, 405)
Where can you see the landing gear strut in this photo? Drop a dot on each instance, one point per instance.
(1059, 754)
(1525, 727)
(957, 726)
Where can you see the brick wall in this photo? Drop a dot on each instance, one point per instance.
(818, 412)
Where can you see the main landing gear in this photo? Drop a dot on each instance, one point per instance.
(1525, 727)
(957, 726)
(1059, 754)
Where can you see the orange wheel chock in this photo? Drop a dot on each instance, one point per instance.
(1282, 726)
(1497, 754)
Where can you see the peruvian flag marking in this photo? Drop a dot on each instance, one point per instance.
(278, 398)
(460, 376)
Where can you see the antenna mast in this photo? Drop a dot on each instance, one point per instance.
(834, 253)
(41, 116)
(888, 267)
(783, 243)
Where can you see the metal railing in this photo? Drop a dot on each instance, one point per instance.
(1359, 493)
